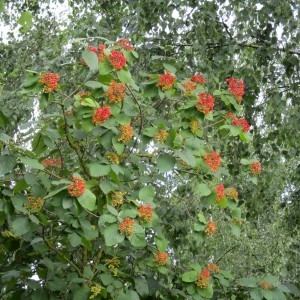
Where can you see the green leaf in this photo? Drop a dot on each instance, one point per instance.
(235, 229)
(245, 136)
(7, 163)
(106, 278)
(255, 294)
(87, 200)
(292, 288)
(2, 5)
(248, 282)
(169, 68)
(55, 192)
(206, 293)
(161, 243)
(89, 102)
(268, 294)
(90, 59)
(147, 193)
(112, 235)
(150, 91)
(105, 67)
(21, 226)
(82, 293)
(32, 163)
(187, 156)
(87, 125)
(138, 239)
(5, 138)
(30, 80)
(94, 84)
(128, 213)
(106, 187)
(246, 162)
(253, 180)
(201, 218)
(25, 20)
(119, 147)
(106, 218)
(98, 170)
(209, 116)
(74, 239)
(202, 190)
(227, 274)
(112, 210)
(190, 276)
(124, 75)
(271, 279)
(141, 286)
(165, 163)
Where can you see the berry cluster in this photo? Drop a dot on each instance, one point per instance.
(232, 193)
(166, 81)
(95, 290)
(237, 221)
(203, 278)
(198, 78)
(34, 204)
(125, 44)
(101, 55)
(101, 114)
(213, 161)
(145, 213)
(194, 124)
(211, 228)
(117, 198)
(189, 86)
(50, 81)
(236, 88)
(255, 168)
(220, 190)
(112, 157)
(205, 103)
(213, 268)
(126, 131)
(99, 52)
(52, 162)
(265, 285)
(126, 227)
(113, 265)
(161, 136)
(76, 188)
(161, 258)
(230, 115)
(241, 122)
(116, 91)
(117, 59)
(92, 49)
(83, 93)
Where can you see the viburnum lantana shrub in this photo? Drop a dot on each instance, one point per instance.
(82, 210)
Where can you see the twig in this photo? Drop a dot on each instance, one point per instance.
(86, 171)
(235, 246)
(139, 107)
(60, 253)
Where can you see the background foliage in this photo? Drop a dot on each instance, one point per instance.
(254, 40)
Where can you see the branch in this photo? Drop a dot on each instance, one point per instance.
(235, 246)
(60, 253)
(86, 171)
(139, 107)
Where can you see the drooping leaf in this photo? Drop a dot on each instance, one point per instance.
(91, 59)
(87, 200)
